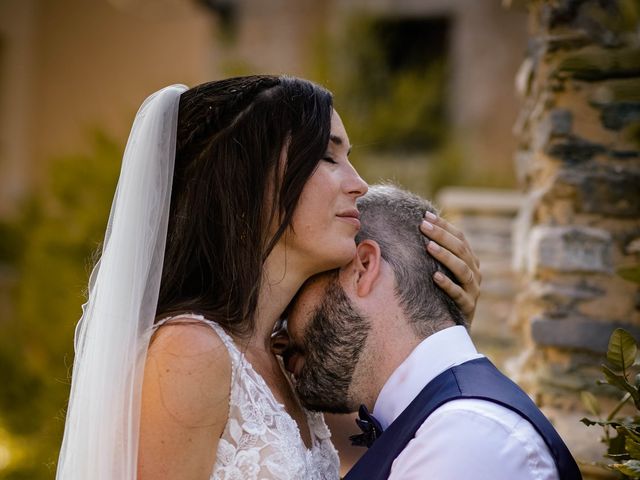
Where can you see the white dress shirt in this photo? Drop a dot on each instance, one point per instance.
(462, 439)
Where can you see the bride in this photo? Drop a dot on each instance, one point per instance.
(231, 195)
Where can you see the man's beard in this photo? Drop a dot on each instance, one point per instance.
(333, 343)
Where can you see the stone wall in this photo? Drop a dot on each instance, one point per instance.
(578, 235)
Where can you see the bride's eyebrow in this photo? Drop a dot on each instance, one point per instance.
(338, 141)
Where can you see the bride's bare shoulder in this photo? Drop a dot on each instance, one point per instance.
(185, 401)
(189, 369)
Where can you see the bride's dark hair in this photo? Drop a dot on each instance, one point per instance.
(229, 187)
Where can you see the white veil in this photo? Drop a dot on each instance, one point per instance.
(102, 424)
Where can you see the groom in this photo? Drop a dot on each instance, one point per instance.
(376, 336)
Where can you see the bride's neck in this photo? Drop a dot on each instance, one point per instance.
(282, 276)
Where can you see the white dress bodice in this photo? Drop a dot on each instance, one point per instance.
(261, 440)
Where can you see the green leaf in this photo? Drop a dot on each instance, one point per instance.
(631, 274)
(615, 379)
(630, 431)
(603, 423)
(633, 447)
(620, 382)
(622, 350)
(616, 450)
(630, 467)
(590, 402)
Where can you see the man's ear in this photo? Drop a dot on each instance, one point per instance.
(367, 263)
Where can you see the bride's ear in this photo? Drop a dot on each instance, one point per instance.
(367, 261)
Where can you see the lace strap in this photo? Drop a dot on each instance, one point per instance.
(234, 353)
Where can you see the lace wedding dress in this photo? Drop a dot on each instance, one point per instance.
(261, 440)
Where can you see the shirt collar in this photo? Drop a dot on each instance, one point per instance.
(435, 354)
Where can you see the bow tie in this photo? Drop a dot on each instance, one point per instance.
(371, 429)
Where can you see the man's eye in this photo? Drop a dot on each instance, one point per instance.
(330, 160)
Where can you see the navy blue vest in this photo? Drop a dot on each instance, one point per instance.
(477, 379)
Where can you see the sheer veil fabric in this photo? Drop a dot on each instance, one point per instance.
(102, 423)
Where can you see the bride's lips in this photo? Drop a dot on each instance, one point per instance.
(351, 216)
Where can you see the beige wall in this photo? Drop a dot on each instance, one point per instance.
(73, 65)
(16, 89)
(276, 36)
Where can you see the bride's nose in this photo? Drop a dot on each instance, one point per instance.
(355, 185)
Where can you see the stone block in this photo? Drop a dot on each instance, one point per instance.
(633, 246)
(618, 115)
(576, 333)
(525, 166)
(561, 294)
(595, 63)
(557, 123)
(566, 41)
(625, 154)
(560, 120)
(522, 225)
(618, 302)
(609, 190)
(524, 76)
(616, 91)
(574, 150)
(570, 250)
(557, 13)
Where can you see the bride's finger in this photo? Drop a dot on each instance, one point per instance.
(448, 240)
(459, 249)
(455, 232)
(462, 298)
(462, 271)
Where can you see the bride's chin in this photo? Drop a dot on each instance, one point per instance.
(318, 260)
(338, 256)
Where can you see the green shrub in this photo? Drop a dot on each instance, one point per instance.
(621, 433)
(49, 248)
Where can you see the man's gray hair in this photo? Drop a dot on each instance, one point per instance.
(391, 217)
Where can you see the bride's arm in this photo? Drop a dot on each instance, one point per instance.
(185, 403)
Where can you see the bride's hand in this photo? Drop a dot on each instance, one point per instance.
(451, 248)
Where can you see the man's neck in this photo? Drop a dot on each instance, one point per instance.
(433, 355)
(387, 348)
(391, 341)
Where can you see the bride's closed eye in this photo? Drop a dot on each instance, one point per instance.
(330, 160)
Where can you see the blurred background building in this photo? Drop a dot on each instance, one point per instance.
(70, 67)
(427, 91)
